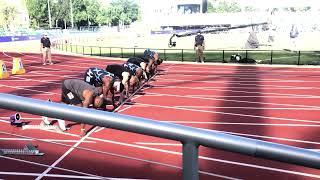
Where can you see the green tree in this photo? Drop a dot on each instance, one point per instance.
(224, 7)
(38, 13)
(123, 12)
(60, 12)
(8, 14)
(86, 12)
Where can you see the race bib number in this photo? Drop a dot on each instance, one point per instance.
(4, 69)
(70, 95)
(88, 79)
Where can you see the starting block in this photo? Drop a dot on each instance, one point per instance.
(15, 120)
(42, 126)
(28, 150)
(46, 124)
(3, 70)
(17, 66)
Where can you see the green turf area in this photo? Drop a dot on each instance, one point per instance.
(262, 56)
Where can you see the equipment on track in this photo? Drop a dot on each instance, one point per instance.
(28, 150)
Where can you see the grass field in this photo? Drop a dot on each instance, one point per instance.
(219, 47)
(262, 56)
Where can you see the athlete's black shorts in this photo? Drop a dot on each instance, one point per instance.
(68, 97)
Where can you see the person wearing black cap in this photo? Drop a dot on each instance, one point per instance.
(199, 47)
(45, 49)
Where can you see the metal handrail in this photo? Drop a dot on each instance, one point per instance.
(190, 137)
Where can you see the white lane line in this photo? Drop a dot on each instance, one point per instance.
(258, 108)
(55, 75)
(80, 60)
(120, 156)
(236, 101)
(4, 117)
(35, 86)
(124, 109)
(260, 96)
(230, 75)
(14, 87)
(48, 175)
(44, 165)
(226, 90)
(42, 81)
(232, 114)
(266, 137)
(211, 159)
(234, 72)
(158, 144)
(217, 160)
(244, 83)
(46, 140)
(245, 124)
(101, 128)
(53, 165)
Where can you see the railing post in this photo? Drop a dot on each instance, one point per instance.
(246, 54)
(121, 52)
(110, 52)
(82, 49)
(299, 54)
(71, 48)
(223, 56)
(190, 161)
(271, 57)
(77, 49)
(91, 50)
(100, 50)
(181, 54)
(134, 51)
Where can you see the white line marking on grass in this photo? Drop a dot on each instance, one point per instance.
(233, 114)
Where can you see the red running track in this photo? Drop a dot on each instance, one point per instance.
(276, 104)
